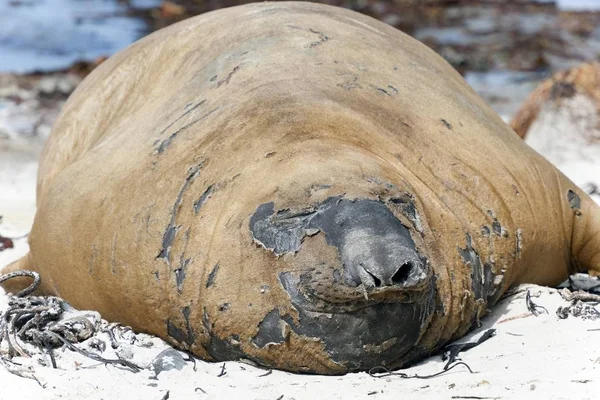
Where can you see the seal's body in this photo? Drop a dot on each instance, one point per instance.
(299, 185)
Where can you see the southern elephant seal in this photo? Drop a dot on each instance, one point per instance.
(561, 118)
(299, 185)
(562, 89)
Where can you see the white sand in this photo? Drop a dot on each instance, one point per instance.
(529, 357)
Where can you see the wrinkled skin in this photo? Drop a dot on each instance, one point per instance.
(298, 185)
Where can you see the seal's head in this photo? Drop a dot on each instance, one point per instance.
(371, 308)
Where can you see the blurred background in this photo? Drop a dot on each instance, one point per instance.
(503, 48)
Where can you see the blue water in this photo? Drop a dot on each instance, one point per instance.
(52, 34)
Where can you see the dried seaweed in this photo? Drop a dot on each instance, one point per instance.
(46, 322)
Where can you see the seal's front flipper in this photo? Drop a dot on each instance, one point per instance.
(585, 243)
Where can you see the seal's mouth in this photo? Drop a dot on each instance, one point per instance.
(318, 291)
(364, 332)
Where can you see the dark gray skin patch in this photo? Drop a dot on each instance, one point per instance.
(380, 334)
(322, 39)
(350, 84)
(574, 200)
(198, 203)
(497, 228)
(375, 248)
(182, 336)
(167, 242)
(377, 181)
(382, 90)
(162, 147)
(221, 349)
(446, 123)
(212, 275)
(318, 187)
(171, 230)
(180, 274)
(519, 245)
(406, 204)
(280, 232)
(485, 231)
(269, 330)
(225, 81)
(482, 276)
(164, 144)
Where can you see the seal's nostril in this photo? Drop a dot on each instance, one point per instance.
(376, 280)
(402, 274)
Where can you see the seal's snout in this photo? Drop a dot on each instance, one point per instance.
(382, 261)
(377, 251)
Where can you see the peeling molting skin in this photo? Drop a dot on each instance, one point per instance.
(387, 91)
(113, 250)
(318, 187)
(377, 181)
(271, 330)
(322, 39)
(180, 272)
(198, 203)
(172, 228)
(219, 348)
(519, 243)
(482, 275)
(485, 231)
(225, 81)
(574, 200)
(185, 335)
(164, 144)
(280, 232)
(382, 296)
(212, 276)
(497, 228)
(406, 205)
